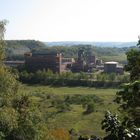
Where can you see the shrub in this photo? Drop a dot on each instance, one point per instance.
(90, 107)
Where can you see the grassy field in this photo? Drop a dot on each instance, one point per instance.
(85, 124)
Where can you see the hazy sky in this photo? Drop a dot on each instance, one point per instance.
(72, 20)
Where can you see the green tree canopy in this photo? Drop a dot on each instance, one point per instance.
(19, 118)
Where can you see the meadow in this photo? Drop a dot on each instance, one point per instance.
(85, 124)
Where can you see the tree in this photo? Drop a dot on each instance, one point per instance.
(118, 130)
(8, 88)
(129, 96)
(133, 66)
(18, 117)
(129, 99)
(2, 30)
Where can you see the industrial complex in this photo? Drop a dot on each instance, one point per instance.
(57, 63)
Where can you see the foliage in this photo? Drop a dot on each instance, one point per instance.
(60, 134)
(83, 138)
(90, 107)
(129, 99)
(133, 66)
(19, 118)
(118, 130)
(129, 96)
(104, 53)
(61, 105)
(2, 30)
(72, 79)
(8, 89)
(82, 99)
(88, 138)
(87, 101)
(15, 49)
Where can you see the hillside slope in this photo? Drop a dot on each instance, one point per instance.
(99, 44)
(15, 49)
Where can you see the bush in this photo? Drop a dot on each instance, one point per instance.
(82, 99)
(90, 107)
(61, 105)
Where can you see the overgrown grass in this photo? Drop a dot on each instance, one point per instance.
(85, 124)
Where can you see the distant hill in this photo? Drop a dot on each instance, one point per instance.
(15, 49)
(107, 51)
(100, 44)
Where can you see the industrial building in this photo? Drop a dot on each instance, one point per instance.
(91, 59)
(40, 61)
(99, 62)
(67, 63)
(113, 67)
(68, 60)
(80, 64)
(14, 64)
(85, 62)
(57, 63)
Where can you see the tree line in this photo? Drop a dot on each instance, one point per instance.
(15, 50)
(73, 79)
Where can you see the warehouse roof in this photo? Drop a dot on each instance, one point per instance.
(111, 62)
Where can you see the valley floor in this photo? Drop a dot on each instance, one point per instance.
(84, 124)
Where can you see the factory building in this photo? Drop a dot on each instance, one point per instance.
(91, 59)
(80, 64)
(120, 70)
(113, 67)
(68, 60)
(67, 64)
(40, 61)
(99, 62)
